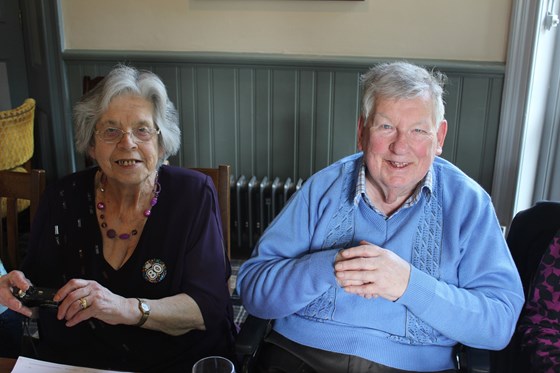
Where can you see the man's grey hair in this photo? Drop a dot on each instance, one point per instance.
(402, 80)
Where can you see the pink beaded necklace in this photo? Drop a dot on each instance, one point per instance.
(111, 233)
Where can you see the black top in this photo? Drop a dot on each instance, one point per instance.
(529, 235)
(182, 236)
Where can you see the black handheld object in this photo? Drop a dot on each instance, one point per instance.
(36, 297)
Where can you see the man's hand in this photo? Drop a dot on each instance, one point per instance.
(371, 271)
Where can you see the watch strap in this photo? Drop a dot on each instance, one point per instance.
(145, 309)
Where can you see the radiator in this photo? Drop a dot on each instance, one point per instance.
(254, 204)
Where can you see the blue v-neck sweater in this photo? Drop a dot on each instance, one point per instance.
(463, 284)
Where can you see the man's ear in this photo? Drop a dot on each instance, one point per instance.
(441, 132)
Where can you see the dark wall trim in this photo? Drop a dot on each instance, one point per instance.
(220, 58)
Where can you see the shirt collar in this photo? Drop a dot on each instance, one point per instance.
(424, 185)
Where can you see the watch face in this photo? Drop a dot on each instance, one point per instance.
(145, 307)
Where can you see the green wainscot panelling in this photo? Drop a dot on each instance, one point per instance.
(289, 116)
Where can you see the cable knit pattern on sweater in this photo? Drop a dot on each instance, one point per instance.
(340, 234)
(426, 256)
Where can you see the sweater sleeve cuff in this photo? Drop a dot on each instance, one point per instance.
(420, 291)
(322, 266)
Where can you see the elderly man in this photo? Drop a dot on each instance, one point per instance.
(386, 259)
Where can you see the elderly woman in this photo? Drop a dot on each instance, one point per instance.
(133, 247)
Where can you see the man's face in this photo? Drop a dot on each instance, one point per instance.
(400, 141)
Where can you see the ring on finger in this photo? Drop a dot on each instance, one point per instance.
(83, 303)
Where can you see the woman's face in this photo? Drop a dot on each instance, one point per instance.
(127, 161)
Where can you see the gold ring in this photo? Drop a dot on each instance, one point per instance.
(83, 303)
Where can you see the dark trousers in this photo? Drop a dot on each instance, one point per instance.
(281, 355)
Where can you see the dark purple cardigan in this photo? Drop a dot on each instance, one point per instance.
(183, 232)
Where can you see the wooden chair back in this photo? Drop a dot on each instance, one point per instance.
(14, 186)
(88, 83)
(220, 177)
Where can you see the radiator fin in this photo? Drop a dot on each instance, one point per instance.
(254, 204)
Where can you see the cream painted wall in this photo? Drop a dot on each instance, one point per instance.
(467, 30)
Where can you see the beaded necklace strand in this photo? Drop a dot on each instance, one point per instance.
(111, 233)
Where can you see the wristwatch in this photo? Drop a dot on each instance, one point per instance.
(145, 309)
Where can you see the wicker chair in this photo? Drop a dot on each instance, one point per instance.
(16, 144)
(16, 136)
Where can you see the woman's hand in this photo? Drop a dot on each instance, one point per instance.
(7, 283)
(371, 271)
(81, 300)
(84, 299)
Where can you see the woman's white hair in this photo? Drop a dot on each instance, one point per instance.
(125, 80)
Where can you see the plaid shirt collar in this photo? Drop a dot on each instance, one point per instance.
(425, 184)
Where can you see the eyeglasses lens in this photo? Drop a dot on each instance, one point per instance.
(113, 135)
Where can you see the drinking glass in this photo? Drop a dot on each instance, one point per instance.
(213, 364)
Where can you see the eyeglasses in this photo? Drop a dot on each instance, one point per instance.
(112, 135)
